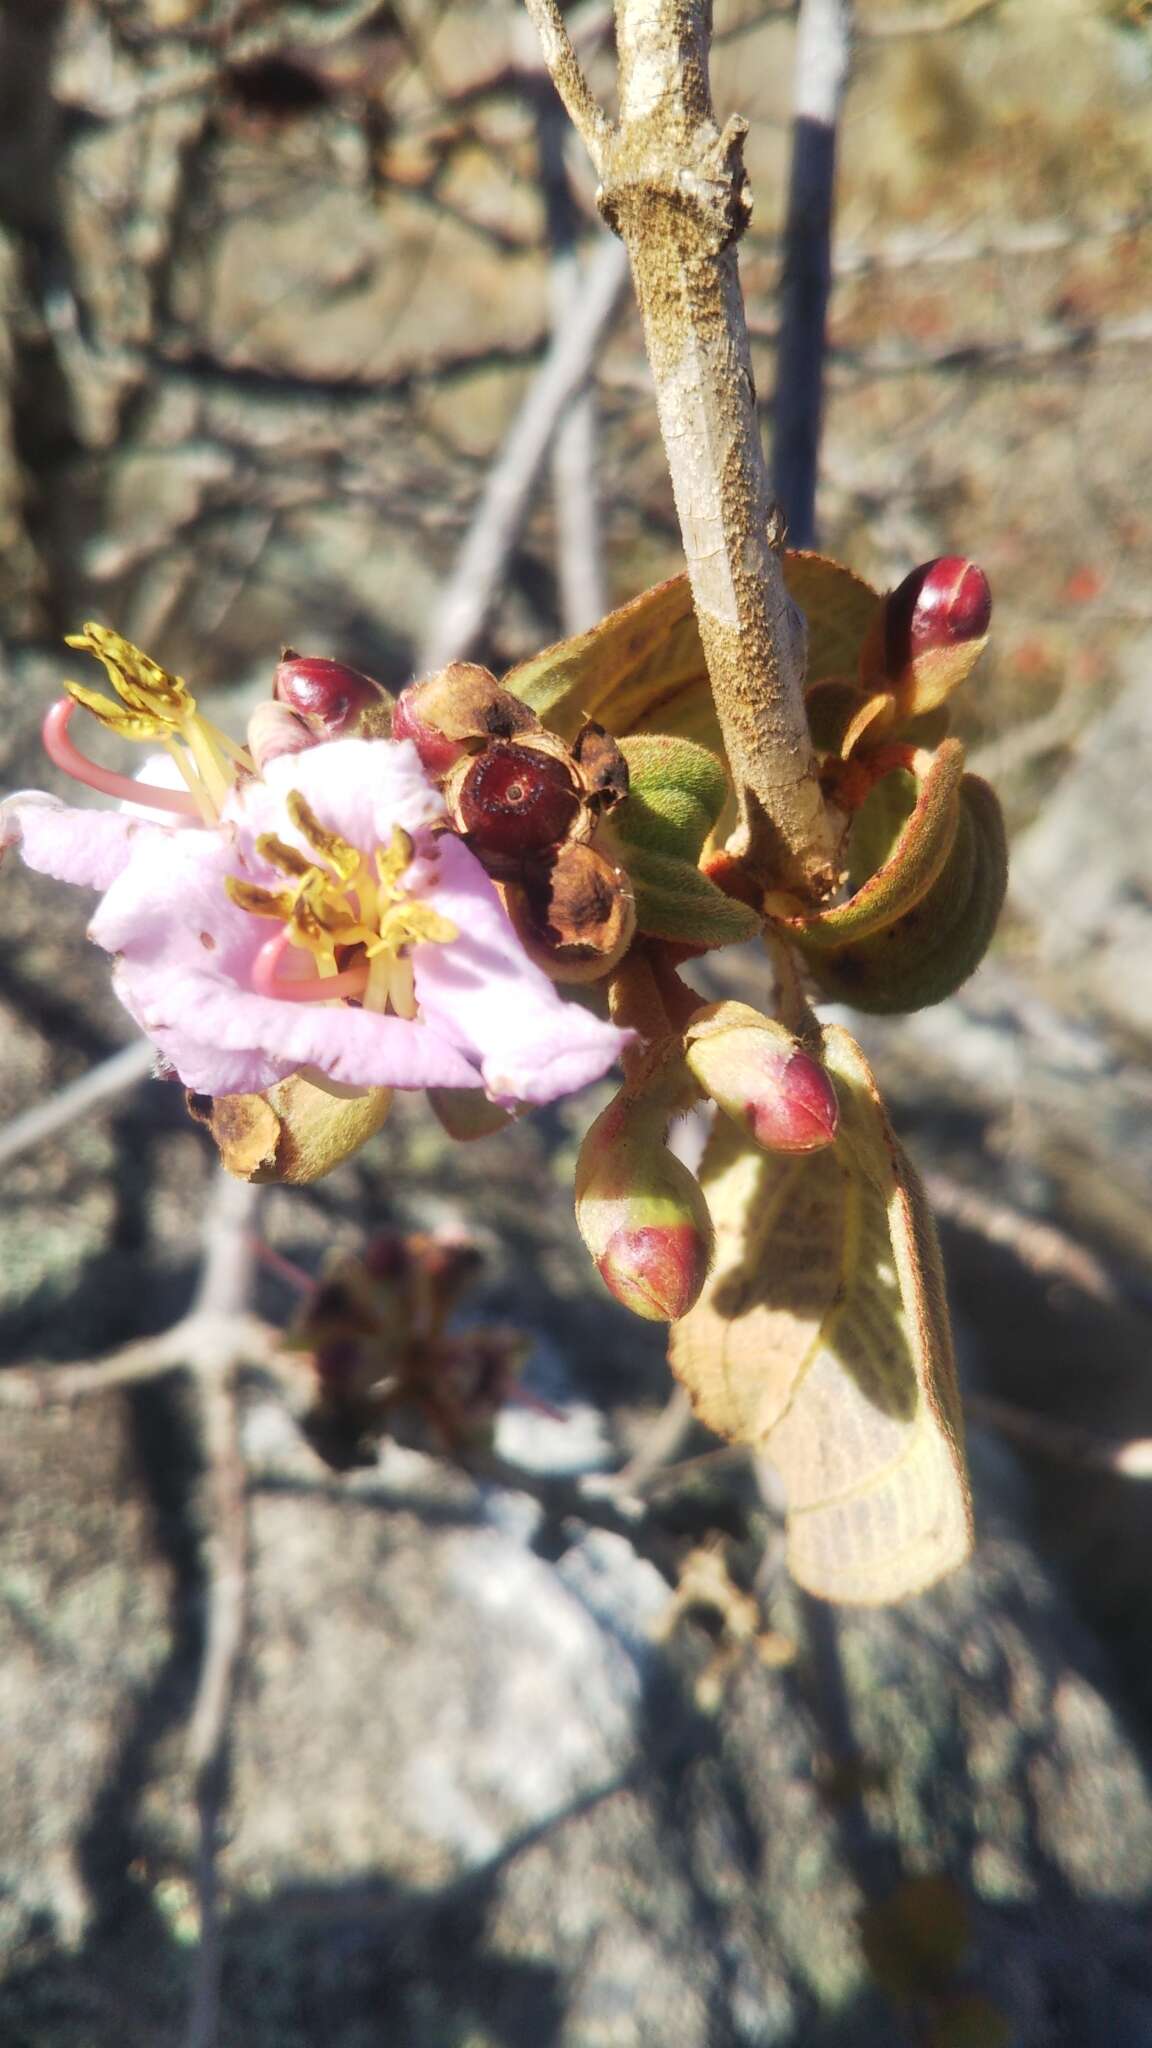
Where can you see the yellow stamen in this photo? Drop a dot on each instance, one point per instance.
(157, 706)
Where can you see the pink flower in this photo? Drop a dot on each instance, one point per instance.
(322, 925)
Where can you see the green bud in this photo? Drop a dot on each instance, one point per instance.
(640, 1212)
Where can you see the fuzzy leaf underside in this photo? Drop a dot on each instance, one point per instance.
(822, 1338)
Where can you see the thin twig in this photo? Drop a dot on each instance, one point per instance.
(499, 515)
(575, 499)
(823, 38)
(220, 1312)
(100, 1084)
(1126, 1457)
(1041, 1247)
(589, 120)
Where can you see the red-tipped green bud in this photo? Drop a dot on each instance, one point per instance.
(760, 1076)
(456, 711)
(929, 633)
(641, 1213)
(335, 699)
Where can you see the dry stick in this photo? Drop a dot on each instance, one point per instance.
(37, 1125)
(673, 187)
(822, 55)
(575, 499)
(499, 515)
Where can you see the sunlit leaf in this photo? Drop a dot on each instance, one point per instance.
(930, 951)
(642, 668)
(822, 1337)
(839, 607)
(676, 792)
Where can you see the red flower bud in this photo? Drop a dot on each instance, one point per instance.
(330, 695)
(452, 713)
(755, 1071)
(656, 1271)
(928, 635)
(437, 752)
(941, 604)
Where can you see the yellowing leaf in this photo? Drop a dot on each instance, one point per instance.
(839, 607)
(822, 1338)
(642, 668)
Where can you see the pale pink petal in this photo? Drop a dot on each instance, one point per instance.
(203, 1024)
(88, 848)
(361, 789)
(531, 1043)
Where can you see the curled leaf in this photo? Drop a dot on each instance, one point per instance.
(822, 1338)
(927, 953)
(915, 858)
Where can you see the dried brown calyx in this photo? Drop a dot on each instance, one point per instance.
(574, 915)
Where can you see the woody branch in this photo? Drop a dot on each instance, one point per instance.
(673, 187)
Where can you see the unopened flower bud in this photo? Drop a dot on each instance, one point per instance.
(930, 631)
(576, 918)
(337, 700)
(760, 1076)
(452, 713)
(273, 729)
(641, 1213)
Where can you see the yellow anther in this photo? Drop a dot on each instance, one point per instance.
(339, 855)
(288, 859)
(156, 705)
(261, 902)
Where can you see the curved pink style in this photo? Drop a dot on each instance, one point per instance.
(61, 748)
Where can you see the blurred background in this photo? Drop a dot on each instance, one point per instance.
(277, 283)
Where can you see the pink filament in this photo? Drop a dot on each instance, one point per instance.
(266, 980)
(62, 749)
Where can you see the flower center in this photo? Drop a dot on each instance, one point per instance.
(348, 918)
(150, 704)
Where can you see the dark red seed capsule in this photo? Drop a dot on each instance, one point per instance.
(517, 801)
(941, 604)
(328, 692)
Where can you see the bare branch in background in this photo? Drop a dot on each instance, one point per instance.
(823, 37)
(100, 1084)
(575, 497)
(499, 515)
(674, 189)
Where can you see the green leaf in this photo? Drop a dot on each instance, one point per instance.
(675, 901)
(928, 952)
(822, 1338)
(676, 792)
(919, 846)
